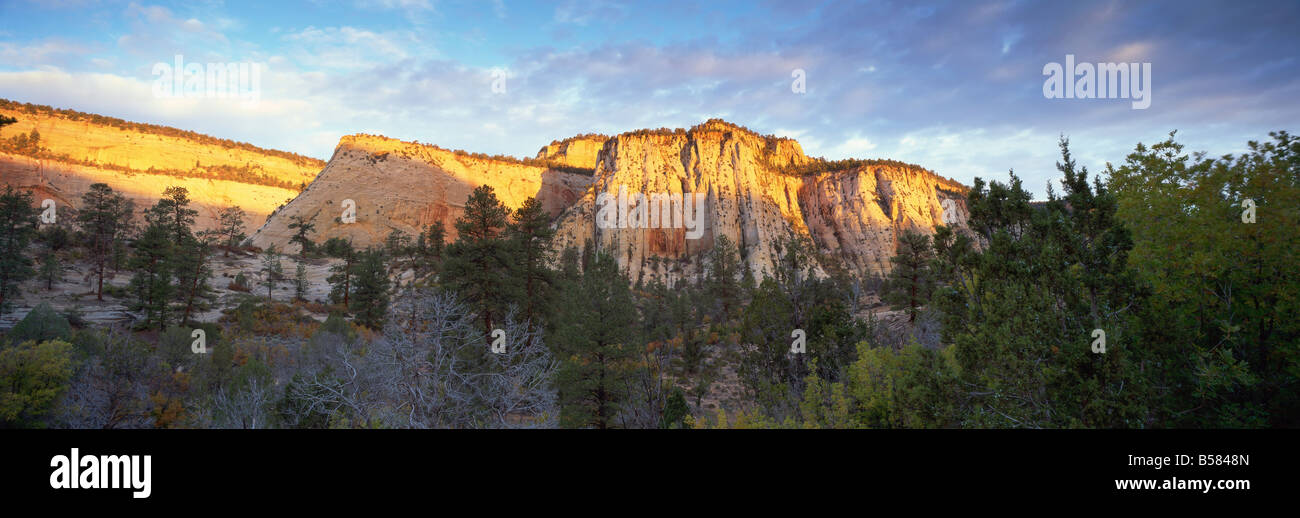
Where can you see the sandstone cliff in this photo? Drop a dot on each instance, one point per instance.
(759, 191)
(579, 151)
(405, 186)
(78, 149)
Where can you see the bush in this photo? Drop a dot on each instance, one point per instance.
(42, 324)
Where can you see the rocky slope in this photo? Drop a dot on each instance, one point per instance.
(853, 214)
(405, 186)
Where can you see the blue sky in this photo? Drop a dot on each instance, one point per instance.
(953, 86)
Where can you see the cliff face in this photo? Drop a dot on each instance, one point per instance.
(854, 214)
(578, 151)
(756, 190)
(77, 150)
(405, 186)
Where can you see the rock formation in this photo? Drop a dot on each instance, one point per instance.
(406, 185)
(760, 191)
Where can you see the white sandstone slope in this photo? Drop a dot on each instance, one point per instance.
(405, 186)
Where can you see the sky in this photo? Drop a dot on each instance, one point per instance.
(956, 87)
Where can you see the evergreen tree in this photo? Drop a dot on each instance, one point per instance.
(272, 270)
(370, 296)
(300, 283)
(193, 274)
(342, 274)
(105, 220)
(1023, 312)
(722, 284)
(530, 237)
(230, 226)
(593, 339)
(302, 228)
(1219, 327)
(51, 270)
(17, 227)
(477, 266)
(910, 282)
(152, 282)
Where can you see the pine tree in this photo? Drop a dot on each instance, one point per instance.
(721, 284)
(193, 274)
(230, 226)
(272, 270)
(593, 338)
(342, 275)
(910, 282)
(302, 228)
(51, 270)
(370, 298)
(300, 283)
(152, 282)
(477, 266)
(530, 237)
(105, 219)
(17, 227)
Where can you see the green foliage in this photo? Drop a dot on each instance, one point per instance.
(1021, 312)
(272, 271)
(370, 297)
(910, 282)
(105, 219)
(478, 264)
(17, 227)
(593, 341)
(32, 377)
(913, 387)
(302, 229)
(230, 227)
(722, 284)
(675, 411)
(1222, 326)
(41, 324)
(151, 285)
(529, 236)
(342, 275)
